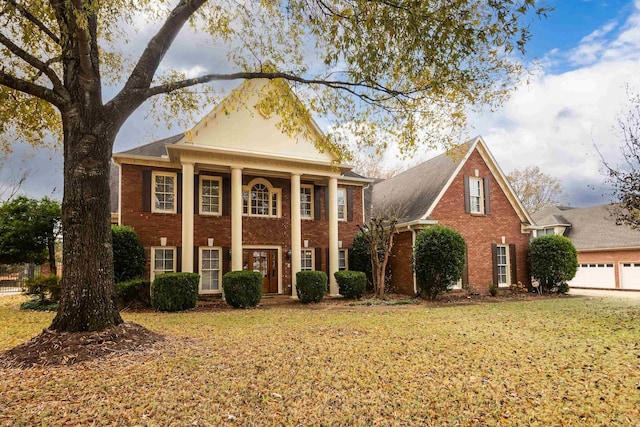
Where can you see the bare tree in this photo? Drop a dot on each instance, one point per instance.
(10, 185)
(536, 190)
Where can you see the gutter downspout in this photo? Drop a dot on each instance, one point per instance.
(413, 245)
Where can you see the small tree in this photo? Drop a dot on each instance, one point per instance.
(439, 256)
(128, 254)
(378, 234)
(359, 256)
(553, 260)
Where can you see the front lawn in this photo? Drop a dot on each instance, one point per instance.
(564, 361)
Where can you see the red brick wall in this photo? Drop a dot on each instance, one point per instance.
(400, 263)
(609, 257)
(255, 231)
(479, 231)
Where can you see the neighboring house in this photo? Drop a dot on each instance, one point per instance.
(608, 254)
(467, 191)
(235, 192)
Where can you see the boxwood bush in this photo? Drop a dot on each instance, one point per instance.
(352, 284)
(242, 289)
(134, 291)
(311, 285)
(128, 254)
(175, 291)
(45, 289)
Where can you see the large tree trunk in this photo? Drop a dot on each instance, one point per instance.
(87, 302)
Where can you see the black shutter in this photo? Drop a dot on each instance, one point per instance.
(494, 258)
(317, 265)
(349, 204)
(512, 263)
(196, 194)
(179, 259)
(327, 261)
(317, 201)
(487, 197)
(326, 203)
(196, 255)
(226, 260)
(465, 272)
(467, 201)
(179, 193)
(146, 190)
(226, 197)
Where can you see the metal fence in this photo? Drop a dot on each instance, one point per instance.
(13, 277)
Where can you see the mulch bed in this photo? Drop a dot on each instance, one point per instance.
(68, 348)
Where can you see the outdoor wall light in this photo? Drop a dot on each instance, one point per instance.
(289, 254)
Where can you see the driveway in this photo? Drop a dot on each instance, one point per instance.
(605, 293)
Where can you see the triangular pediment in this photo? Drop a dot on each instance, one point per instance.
(242, 123)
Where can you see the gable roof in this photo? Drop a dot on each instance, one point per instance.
(591, 228)
(418, 190)
(154, 149)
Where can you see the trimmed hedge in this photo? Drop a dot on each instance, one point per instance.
(311, 285)
(352, 284)
(128, 254)
(175, 291)
(243, 288)
(137, 290)
(554, 261)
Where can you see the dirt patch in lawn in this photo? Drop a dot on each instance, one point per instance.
(68, 348)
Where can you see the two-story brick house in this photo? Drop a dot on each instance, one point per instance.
(467, 191)
(234, 193)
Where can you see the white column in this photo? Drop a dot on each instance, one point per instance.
(236, 219)
(333, 235)
(187, 217)
(296, 232)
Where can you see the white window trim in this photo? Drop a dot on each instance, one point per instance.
(310, 217)
(507, 266)
(209, 248)
(152, 273)
(344, 211)
(272, 190)
(481, 196)
(313, 258)
(346, 259)
(210, 178)
(154, 209)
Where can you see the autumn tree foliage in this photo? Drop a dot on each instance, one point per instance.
(408, 68)
(535, 189)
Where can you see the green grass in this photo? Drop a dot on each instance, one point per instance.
(566, 361)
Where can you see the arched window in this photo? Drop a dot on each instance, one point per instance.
(261, 199)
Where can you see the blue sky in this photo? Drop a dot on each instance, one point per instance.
(585, 52)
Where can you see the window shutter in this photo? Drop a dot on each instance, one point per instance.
(487, 197)
(465, 272)
(317, 265)
(226, 259)
(512, 263)
(317, 201)
(494, 257)
(178, 259)
(146, 190)
(226, 197)
(327, 262)
(467, 196)
(179, 193)
(196, 255)
(326, 203)
(196, 194)
(349, 204)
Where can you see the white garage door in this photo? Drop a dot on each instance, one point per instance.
(630, 276)
(595, 276)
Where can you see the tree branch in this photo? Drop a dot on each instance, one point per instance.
(32, 60)
(34, 20)
(84, 44)
(32, 89)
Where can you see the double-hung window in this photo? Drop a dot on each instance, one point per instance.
(210, 270)
(162, 261)
(306, 260)
(476, 195)
(342, 204)
(343, 259)
(164, 192)
(306, 201)
(502, 252)
(210, 195)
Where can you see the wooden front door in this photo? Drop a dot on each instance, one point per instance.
(265, 262)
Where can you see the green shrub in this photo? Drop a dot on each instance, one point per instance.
(175, 291)
(563, 288)
(439, 256)
(493, 290)
(242, 289)
(133, 291)
(36, 304)
(46, 289)
(359, 257)
(553, 260)
(128, 254)
(311, 285)
(352, 284)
